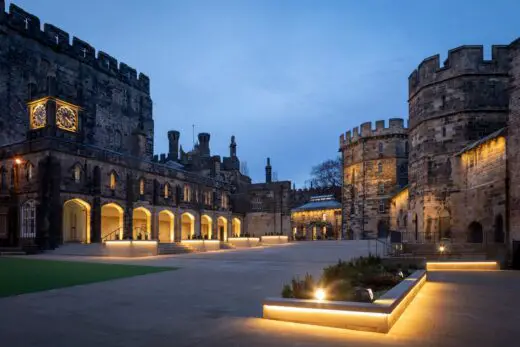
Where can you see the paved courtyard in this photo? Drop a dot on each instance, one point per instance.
(215, 300)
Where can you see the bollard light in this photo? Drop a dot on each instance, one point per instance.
(319, 294)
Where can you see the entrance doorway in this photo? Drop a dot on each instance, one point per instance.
(222, 228)
(76, 221)
(166, 226)
(142, 224)
(187, 226)
(111, 222)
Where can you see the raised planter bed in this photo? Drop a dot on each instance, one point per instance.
(130, 248)
(274, 240)
(378, 316)
(244, 242)
(462, 265)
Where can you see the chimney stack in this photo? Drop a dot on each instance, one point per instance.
(268, 171)
(233, 147)
(204, 144)
(173, 145)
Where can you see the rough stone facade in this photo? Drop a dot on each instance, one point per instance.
(375, 164)
(76, 153)
(450, 107)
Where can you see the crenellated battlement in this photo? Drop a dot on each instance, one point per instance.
(396, 126)
(461, 60)
(59, 40)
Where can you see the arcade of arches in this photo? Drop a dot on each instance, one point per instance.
(76, 224)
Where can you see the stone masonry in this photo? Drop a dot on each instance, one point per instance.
(375, 164)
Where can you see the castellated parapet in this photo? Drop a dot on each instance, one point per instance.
(366, 130)
(468, 59)
(375, 165)
(59, 40)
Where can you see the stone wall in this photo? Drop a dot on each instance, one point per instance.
(481, 175)
(114, 100)
(374, 167)
(449, 108)
(513, 145)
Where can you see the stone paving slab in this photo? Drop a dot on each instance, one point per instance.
(215, 300)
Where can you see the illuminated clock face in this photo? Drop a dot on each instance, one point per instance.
(66, 118)
(39, 116)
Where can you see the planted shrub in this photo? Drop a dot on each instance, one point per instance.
(344, 279)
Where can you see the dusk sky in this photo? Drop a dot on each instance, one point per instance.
(285, 77)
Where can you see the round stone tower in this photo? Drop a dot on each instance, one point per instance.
(450, 107)
(375, 164)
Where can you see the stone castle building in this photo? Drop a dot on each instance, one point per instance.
(77, 159)
(375, 166)
(463, 162)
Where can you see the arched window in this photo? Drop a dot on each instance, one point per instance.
(187, 193)
(381, 147)
(29, 171)
(113, 181)
(141, 186)
(166, 191)
(380, 167)
(28, 216)
(381, 188)
(224, 201)
(77, 173)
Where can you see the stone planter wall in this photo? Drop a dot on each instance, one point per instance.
(202, 245)
(274, 240)
(244, 242)
(378, 316)
(127, 248)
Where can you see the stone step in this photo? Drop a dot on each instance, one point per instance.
(226, 245)
(174, 248)
(7, 253)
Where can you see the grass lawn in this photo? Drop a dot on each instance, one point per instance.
(22, 275)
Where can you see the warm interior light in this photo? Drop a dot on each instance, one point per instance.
(442, 249)
(18, 161)
(320, 294)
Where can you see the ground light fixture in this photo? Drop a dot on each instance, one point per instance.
(319, 294)
(442, 248)
(17, 161)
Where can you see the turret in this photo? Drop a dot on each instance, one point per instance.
(233, 148)
(204, 144)
(173, 145)
(268, 171)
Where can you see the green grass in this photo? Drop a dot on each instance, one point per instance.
(22, 275)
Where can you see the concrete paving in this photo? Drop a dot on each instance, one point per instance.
(215, 300)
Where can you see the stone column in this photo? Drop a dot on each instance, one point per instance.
(95, 220)
(155, 224)
(177, 229)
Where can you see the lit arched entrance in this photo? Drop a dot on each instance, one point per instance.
(166, 219)
(76, 221)
(237, 227)
(222, 228)
(111, 222)
(187, 226)
(206, 224)
(141, 220)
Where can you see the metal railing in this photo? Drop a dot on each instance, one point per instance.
(141, 233)
(113, 235)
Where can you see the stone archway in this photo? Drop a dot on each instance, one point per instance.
(166, 226)
(206, 226)
(187, 226)
(475, 234)
(142, 223)
(222, 226)
(76, 221)
(382, 229)
(237, 227)
(111, 222)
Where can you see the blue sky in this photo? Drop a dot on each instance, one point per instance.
(285, 77)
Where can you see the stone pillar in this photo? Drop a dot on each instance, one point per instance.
(95, 220)
(128, 222)
(155, 224)
(177, 228)
(198, 224)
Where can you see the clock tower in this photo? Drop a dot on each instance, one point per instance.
(51, 116)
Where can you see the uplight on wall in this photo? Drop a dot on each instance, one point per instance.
(320, 294)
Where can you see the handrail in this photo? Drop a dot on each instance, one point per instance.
(386, 249)
(105, 238)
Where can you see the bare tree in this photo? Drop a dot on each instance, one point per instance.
(326, 174)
